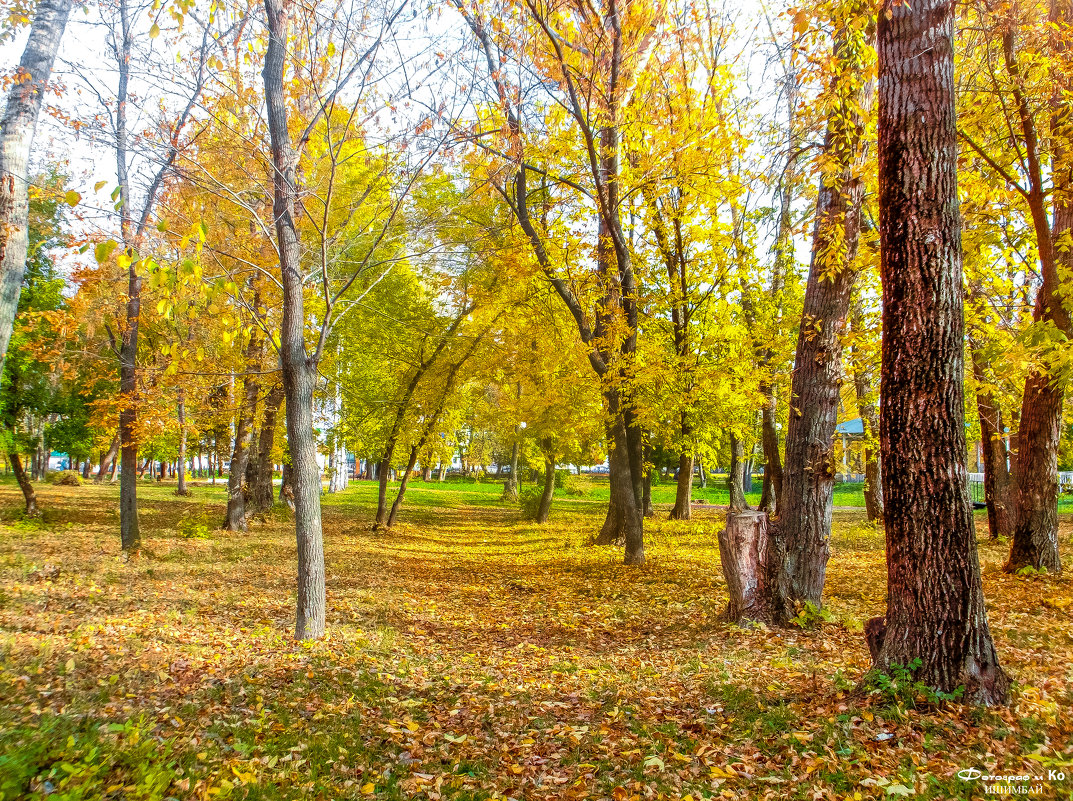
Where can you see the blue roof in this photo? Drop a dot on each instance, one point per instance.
(854, 426)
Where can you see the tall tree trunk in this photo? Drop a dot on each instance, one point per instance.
(181, 490)
(735, 476)
(510, 487)
(261, 491)
(299, 369)
(624, 518)
(684, 491)
(804, 526)
(993, 445)
(935, 602)
(28, 493)
(1035, 519)
(17, 128)
(235, 518)
(864, 387)
(769, 434)
(548, 494)
(130, 533)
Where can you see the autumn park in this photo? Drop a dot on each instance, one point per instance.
(536, 399)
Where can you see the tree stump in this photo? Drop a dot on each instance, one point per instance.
(743, 546)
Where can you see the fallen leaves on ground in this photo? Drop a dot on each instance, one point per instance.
(472, 655)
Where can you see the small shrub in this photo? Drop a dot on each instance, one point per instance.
(75, 760)
(810, 617)
(195, 528)
(577, 486)
(899, 687)
(529, 501)
(64, 478)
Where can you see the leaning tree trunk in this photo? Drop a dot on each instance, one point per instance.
(400, 496)
(17, 129)
(299, 370)
(809, 476)
(108, 460)
(935, 603)
(28, 493)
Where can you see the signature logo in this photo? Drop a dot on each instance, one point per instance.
(969, 774)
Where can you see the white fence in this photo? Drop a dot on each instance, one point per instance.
(1065, 480)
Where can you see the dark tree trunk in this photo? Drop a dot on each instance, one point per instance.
(28, 493)
(181, 488)
(864, 387)
(809, 476)
(1035, 524)
(993, 445)
(736, 474)
(624, 518)
(935, 603)
(546, 497)
(17, 127)
(107, 460)
(683, 495)
(261, 490)
(773, 471)
(510, 487)
(646, 487)
(235, 517)
(299, 369)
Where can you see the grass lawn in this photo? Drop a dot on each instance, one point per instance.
(473, 655)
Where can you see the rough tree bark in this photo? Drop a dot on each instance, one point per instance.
(804, 524)
(17, 129)
(299, 370)
(935, 604)
(746, 562)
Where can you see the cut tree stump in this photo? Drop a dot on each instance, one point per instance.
(743, 548)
